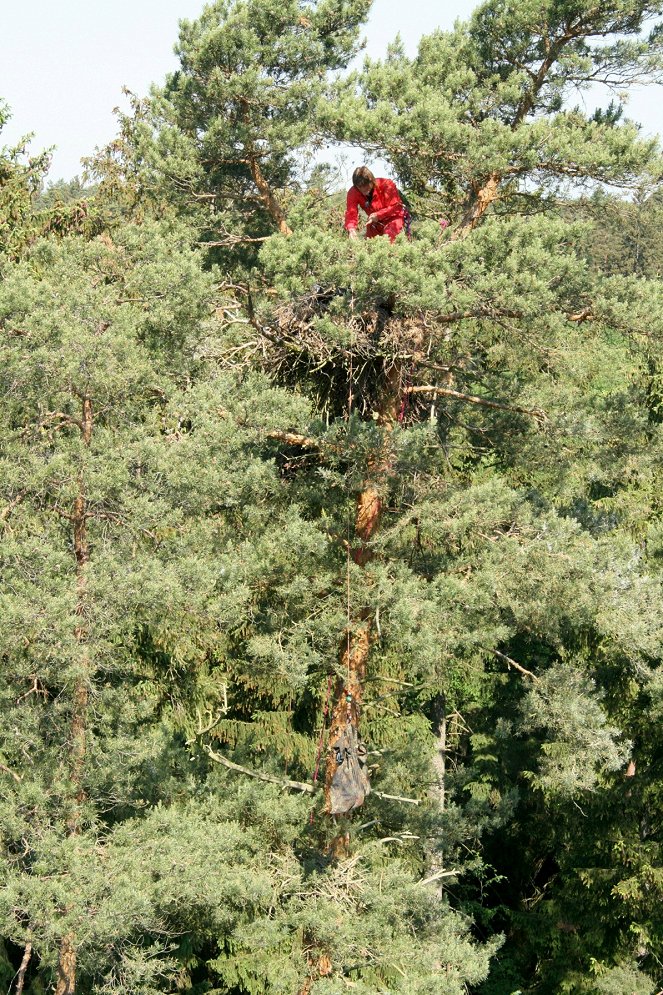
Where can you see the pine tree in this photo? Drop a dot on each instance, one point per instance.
(525, 357)
(110, 575)
(403, 492)
(21, 177)
(223, 139)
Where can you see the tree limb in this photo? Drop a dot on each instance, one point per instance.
(472, 399)
(20, 976)
(283, 782)
(6, 770)
(397, 798)
(438, 875)
(512, 663)
(286, 783)
(7, 510)
(293, 439)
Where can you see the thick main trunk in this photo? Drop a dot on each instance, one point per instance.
(478, 204)
(66, 976)
(267, 197)
(66, 983)
(354, 651)
(347, 697)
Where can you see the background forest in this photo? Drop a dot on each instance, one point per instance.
(257, 480)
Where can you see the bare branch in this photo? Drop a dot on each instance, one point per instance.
(472, 399)
(513, 663)
(292, 785)
(6, 770)
(440, 874)
(293, 439)
(233, 240)
(397, 798)
(283, 782)
(20, 976)
(7, 510)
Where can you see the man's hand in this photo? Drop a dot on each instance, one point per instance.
(371, 219)
(352, 233)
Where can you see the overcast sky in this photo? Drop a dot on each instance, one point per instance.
(63, 63)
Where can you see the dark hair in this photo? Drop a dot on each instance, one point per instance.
(362, 174)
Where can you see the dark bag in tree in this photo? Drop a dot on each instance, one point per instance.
(350, 785)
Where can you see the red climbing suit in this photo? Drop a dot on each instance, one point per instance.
(384, 201)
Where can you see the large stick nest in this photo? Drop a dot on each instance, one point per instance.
(337, 351)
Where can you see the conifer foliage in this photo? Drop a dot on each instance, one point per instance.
(274, 502)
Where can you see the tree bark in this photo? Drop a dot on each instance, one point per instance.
(440, 755)
(267, 196)
(66, 972)
(20, 977)
(66, 983)
(482, 197)
(354, 651)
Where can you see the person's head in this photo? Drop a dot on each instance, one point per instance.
(363, 180)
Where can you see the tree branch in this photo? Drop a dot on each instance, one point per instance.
(513, 663)
(283, 782)
(7, 510)
(6, 770)
(20, 976)
(440, 874)
(472, 399)
(286, 783)
(396, 798)
(293, 439)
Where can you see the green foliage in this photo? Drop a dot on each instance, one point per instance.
(21, 176)
(182, 450)
(221, 139)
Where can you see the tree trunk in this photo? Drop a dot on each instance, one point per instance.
(267, 196)
(439, 757)
(357, 638)
(20, 977)
(482, 197)
(66, 982)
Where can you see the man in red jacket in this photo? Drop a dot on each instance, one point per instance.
(380, 200)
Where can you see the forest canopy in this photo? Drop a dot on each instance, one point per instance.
(331, 569)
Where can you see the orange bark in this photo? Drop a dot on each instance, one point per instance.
(267, 196)
(66, 971)
(353, 657)
(66, 983)
(482, 197)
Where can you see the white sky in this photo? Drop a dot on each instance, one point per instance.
(63, 63)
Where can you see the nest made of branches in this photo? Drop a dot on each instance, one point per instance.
(344, 355)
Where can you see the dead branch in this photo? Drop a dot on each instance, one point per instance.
(233, 240)
(293, 439)
(512, 663)
(438, 876)
(396, 798)
(283, 782)
(584, 315)
(213, 720)
(286, 783)
(20, 976)
(6, 770)
(35, 689)
(473, 399)
(7, 510)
